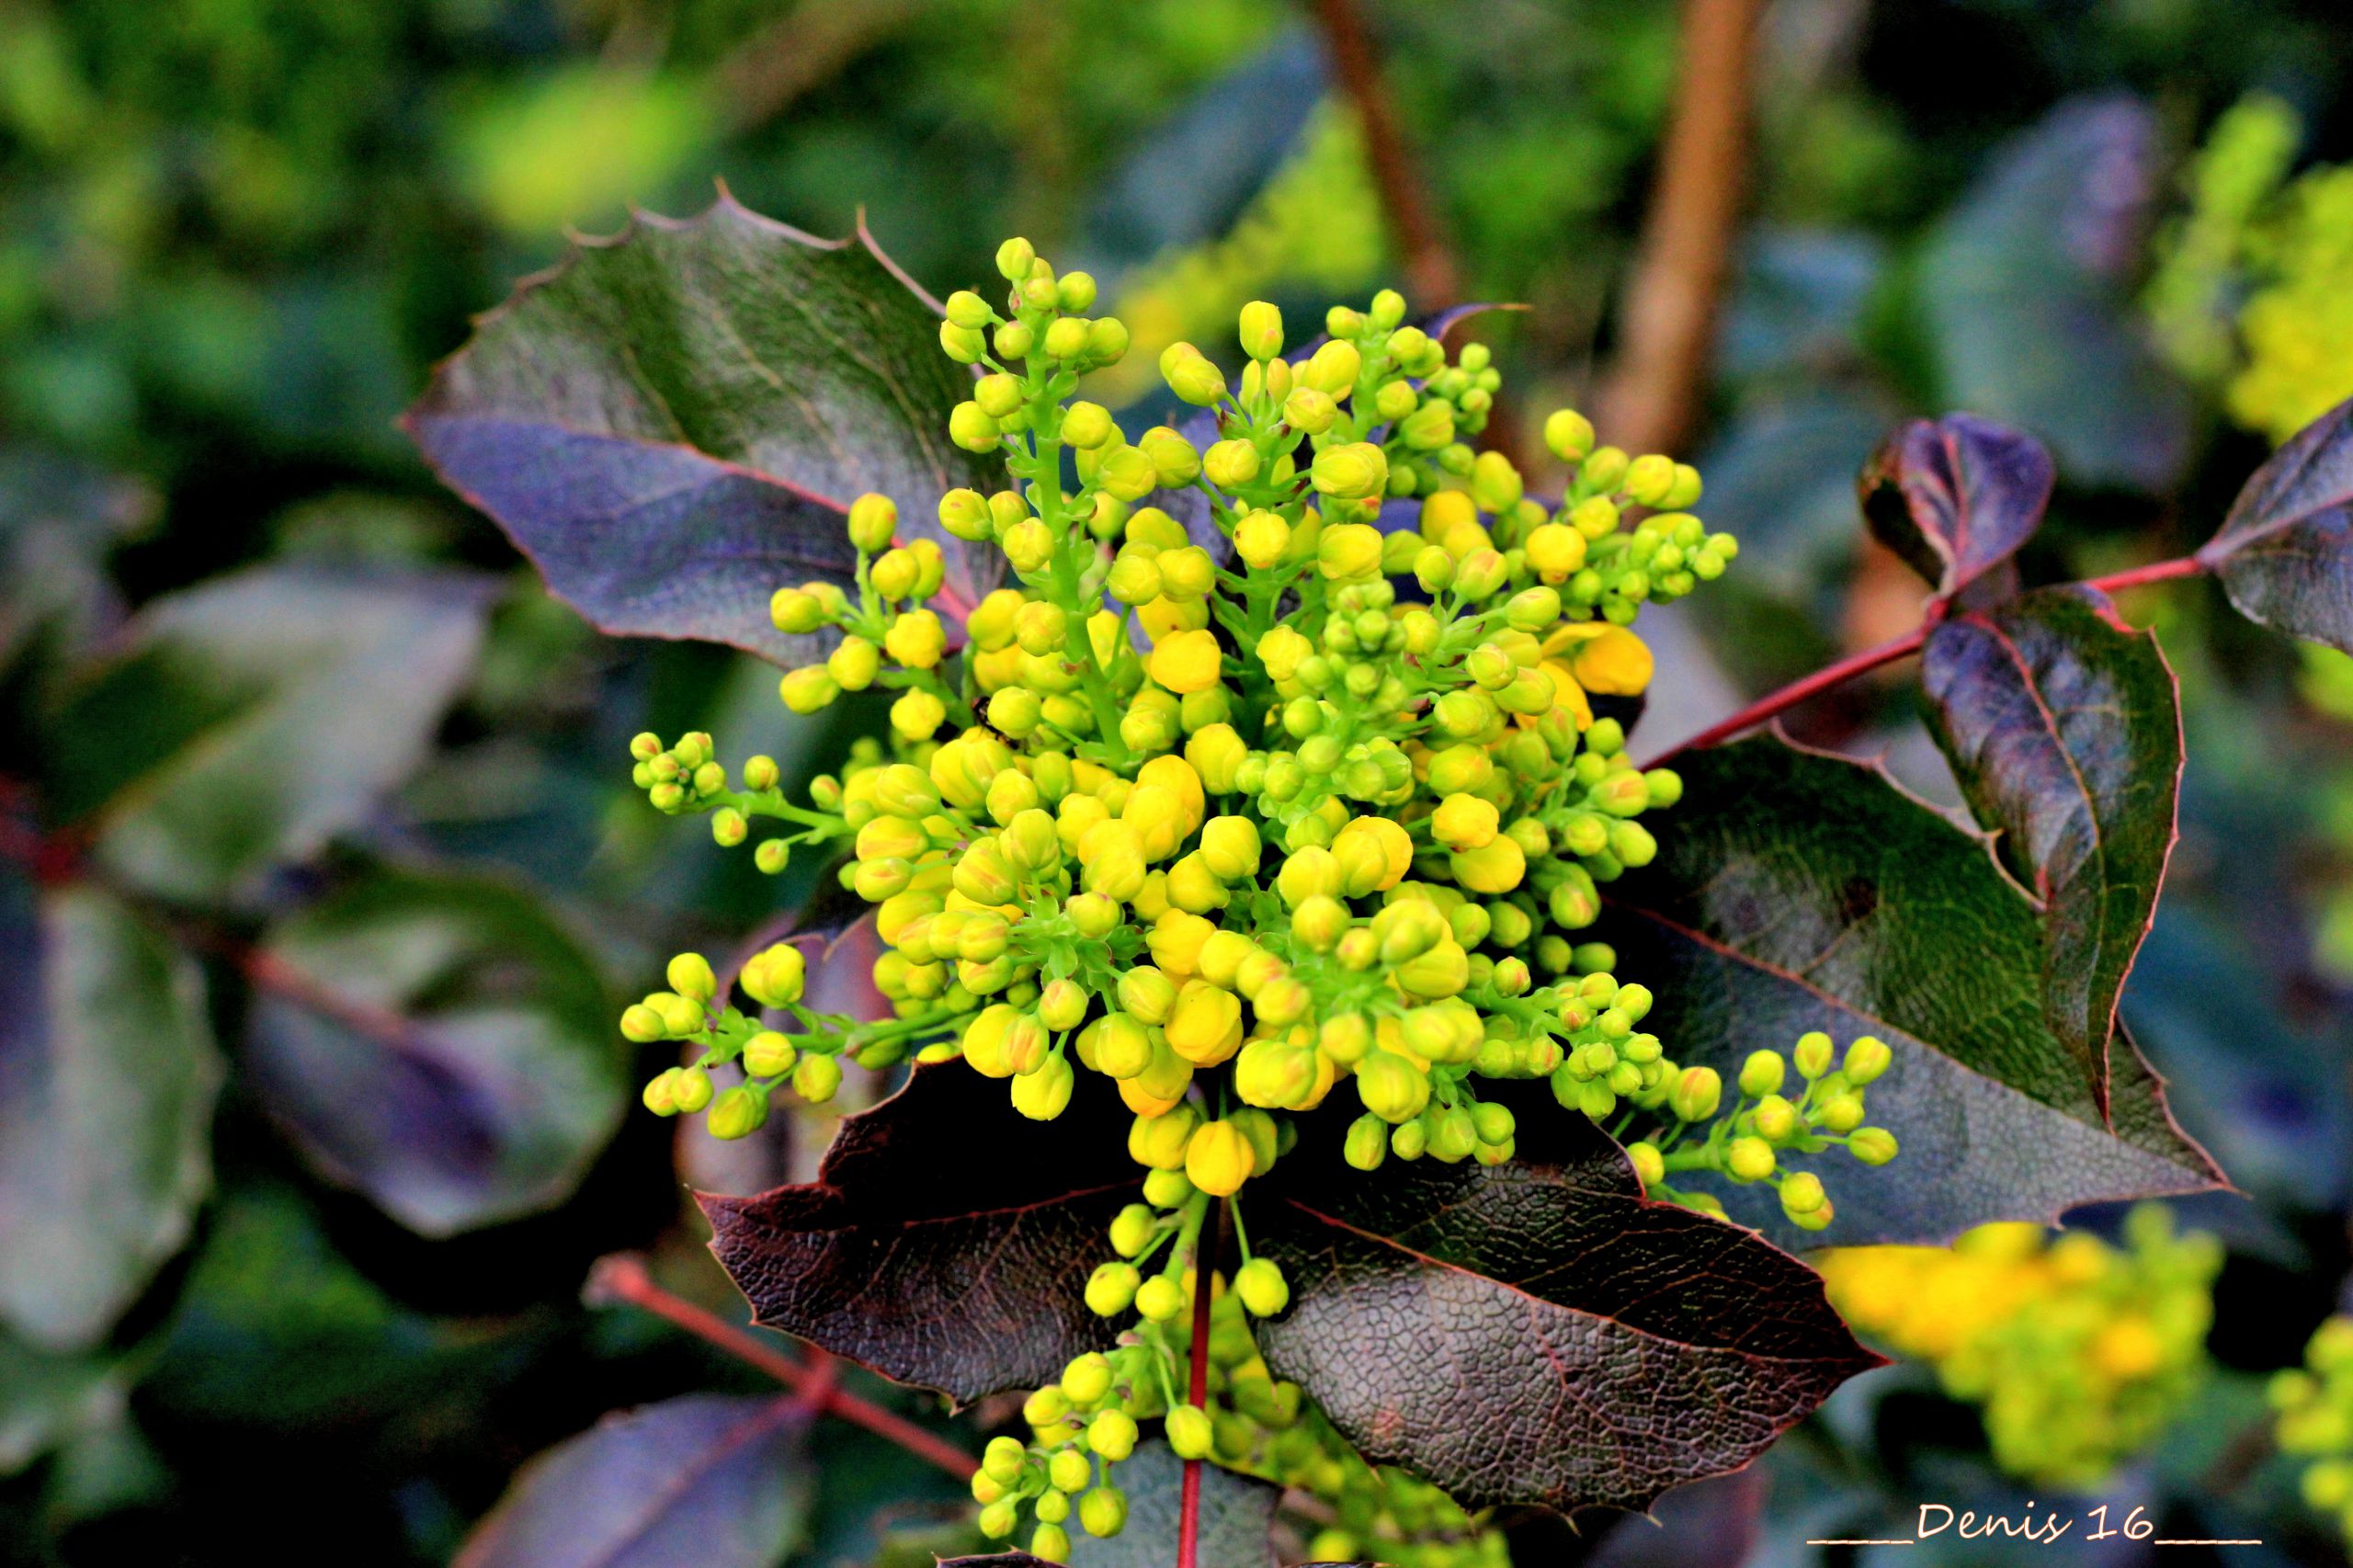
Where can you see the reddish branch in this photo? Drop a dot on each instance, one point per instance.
(1853, 664)
(1653, 396)
(624, 1278)
(1197, 1386)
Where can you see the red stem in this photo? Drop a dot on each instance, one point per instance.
(1796, 691)
(1197, 1387)
(1887, 652)
(2156, 572)
(624, 1278)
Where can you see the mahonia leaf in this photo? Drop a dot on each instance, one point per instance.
(673, 423)
(2063, 725)
(1795, 892)
(1538, 1331)
(947, 1239)
(705, 1481)
(1956, 497)
(442, 1045)
(108, 1077)
(2285, 553)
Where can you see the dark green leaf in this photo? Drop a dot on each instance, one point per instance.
(46, 1399)
(2027, 291)
(57, 520)
(946, 1240)
(1955, 497)
(701, 1482)
(1236, 1512)
(1538, 1332)
(2285, 553)
(2064, 726)
(274, 1327)
(673, 423)
(439, 1043)
(259, 715)
(1796, 892)
(107, 1073)
(1194, 174)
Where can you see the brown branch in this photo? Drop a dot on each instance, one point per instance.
(1432, 277)
(621, 1277)
(800, 50)
(1430, 271)
(1652, 398)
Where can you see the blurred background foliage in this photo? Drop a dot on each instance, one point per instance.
(321, 867)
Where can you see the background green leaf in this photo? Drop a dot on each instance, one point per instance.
(258, 715)
(107, 1073)
(441, 1043)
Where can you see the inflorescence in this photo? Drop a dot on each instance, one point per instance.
(1290, 763)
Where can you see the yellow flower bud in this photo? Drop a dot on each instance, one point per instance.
(1205, 1024)
(1158, 1142)
(774, 977)
(1464, 822)
(1353, 471)
(1230, 464)
(1187, 662)
(1556, 551)
(873, 519)
(808, 690)
(1112, 854)
(1262, 330)
(1496, 867)
(1615, 664)
(1345, 552)
(1333, 369)
(1219, 1158)
(1229, 847)
(1260, 539)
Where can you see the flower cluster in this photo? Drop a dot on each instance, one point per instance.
(1290, 763)
(2077, 1351)
(2316, 1410)
(1248, 1421)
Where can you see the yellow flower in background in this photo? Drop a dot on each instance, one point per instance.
(2077, 1352)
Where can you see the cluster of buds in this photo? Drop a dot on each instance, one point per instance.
(2314, 1405)
(1313, 794)
(2076, 1352)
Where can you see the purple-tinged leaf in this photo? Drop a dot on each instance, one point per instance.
(2064, 726)
(108, 1076)
(441, 1045)
(947, 1239)
(701, 1482)
(2285, 553)
(1540, 1332)
(673, 423)
(1795, 892)
(1955, 497)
